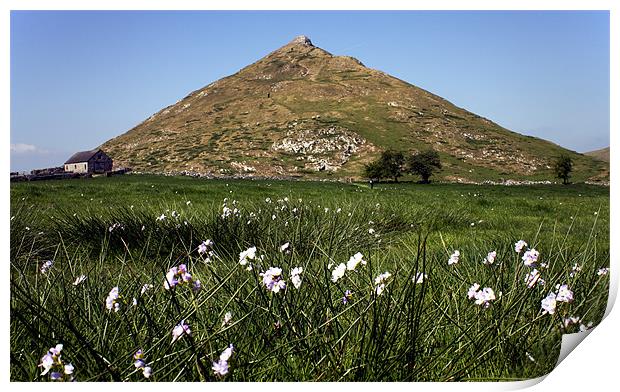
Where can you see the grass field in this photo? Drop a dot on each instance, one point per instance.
(329, 322)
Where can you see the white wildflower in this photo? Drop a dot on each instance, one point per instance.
(272, 279)
(46, 266)
(111, 302)
(484, 297)
(602, 271)
(220, 368)
(295, 278)
(530, 257)
(381, 278)
(471, 293)
(519, 245)
(564, 294)
(454, 258)
(549, 303)
(179, 330)
(338, 272)
(490, 259)
(355, 260)
(227, 353)
(79, 280)
(570, 321)
(226, 212)
(246, 255)
(227, 318)
(145, 287)
(420, 277)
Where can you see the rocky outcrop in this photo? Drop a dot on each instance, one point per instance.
(323, 149)
(302, 39)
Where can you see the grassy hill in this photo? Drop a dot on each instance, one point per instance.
(303, 112)
(601, 155)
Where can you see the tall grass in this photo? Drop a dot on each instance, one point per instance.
(427, 331)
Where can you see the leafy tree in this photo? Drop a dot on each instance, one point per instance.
(374, 171)
(563, 167)
(388, 165)
(391, 163)
(424, 163)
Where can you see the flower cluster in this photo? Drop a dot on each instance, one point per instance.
(53, 364)
(355, 260)
(519, 245)
(549, 303)
(564, 294)
(220, 368)
(490, 259)
(380, 282)
(454, 258)
(295, 278)
(338, 272)
(228, 212)
(141, 364)
(530, 257)
(246, 256)
(179, 330)
(115, 226)
(178, 276)
(602, 271)
(112, 301)
(272, 279)
(46, 266)
(205, 246)
(481, 297)
(208, 254)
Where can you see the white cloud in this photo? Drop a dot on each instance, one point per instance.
(21, 148)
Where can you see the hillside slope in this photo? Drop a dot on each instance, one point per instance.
(601, 155)
(303, 112)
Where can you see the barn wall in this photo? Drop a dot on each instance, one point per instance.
(80, 167)
(100, 163)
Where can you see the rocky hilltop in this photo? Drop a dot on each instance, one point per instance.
(302, 112)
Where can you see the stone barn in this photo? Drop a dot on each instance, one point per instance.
(94, 161)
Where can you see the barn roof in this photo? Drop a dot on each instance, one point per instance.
(82, 156)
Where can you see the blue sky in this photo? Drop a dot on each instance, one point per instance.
(81, 78)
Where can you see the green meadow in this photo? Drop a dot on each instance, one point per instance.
(367, 289)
